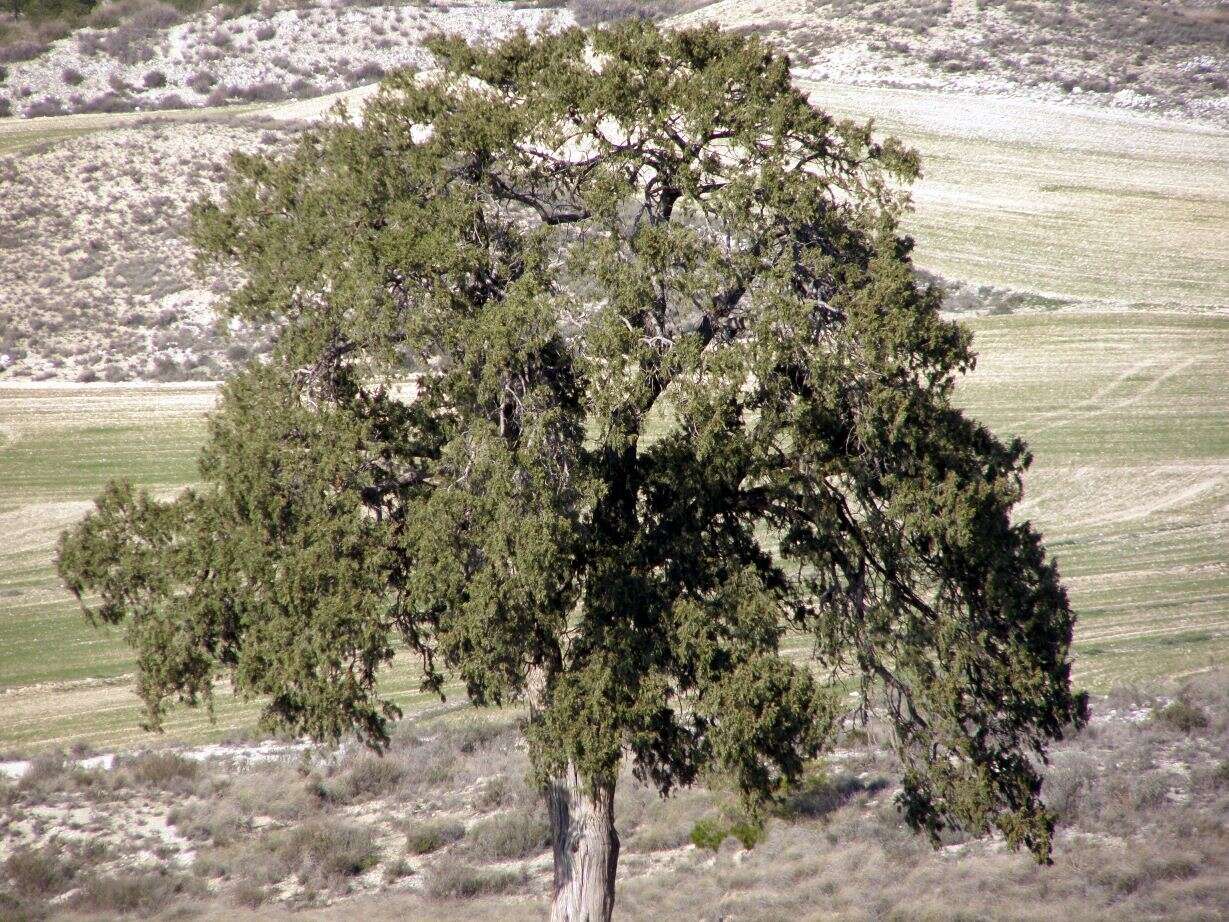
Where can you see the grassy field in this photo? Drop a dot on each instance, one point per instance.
(1078, 204)
(1128, 416)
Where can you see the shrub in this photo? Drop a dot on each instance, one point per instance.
(370, 776)
(72, 76)
(154, 80)
(335, 849)
(145, 892)
(127, 44)
(166, 770)
(708, 833)
(6, 108)
(515, 834)
(41, 872)
(1182, 716)
(51, 105)
(107, 102)
(202, 82)
(454, 881)
(432, 835)
(21, 51)
(266, 32)
(369, 71)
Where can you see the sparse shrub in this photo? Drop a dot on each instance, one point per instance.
(202, 81)
(266, 32)
(145, 892)
(41, 872)
(107, 102)
(164, 770)
(51, 105)
(333, 848)
(397, 869)
(6, 108)
(21, 51)
(1182, 716)
(154, 80)
(127, 44)
(458, 881)
(370, 776)
(72, 76)
(368, 71)
(514, 834)
(432, 835)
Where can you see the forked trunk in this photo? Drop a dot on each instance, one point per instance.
(586, 849)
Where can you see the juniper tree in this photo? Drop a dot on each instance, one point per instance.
(602, 378)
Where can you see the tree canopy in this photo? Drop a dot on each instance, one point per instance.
(677, 463)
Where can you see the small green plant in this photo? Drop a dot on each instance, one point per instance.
(710, 832)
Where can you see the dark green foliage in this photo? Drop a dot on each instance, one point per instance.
(708, 833)
(678, 400)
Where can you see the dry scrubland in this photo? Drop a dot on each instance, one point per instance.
(447, 826)
(145, 54)
(1147, 55)
(112, 295)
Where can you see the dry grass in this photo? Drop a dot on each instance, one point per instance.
(1142, 802)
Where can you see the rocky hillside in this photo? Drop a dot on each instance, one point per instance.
(1161, 56)
(138, 54)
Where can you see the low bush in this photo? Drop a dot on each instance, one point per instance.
(145, 892)
(45, 107)
(154, 80)
(431, 835)
(369, 776)
(72, 76)
(163, 770)
(40, 872)
(1182, 716)
(458, 881)
(514, 834)
(334, 849)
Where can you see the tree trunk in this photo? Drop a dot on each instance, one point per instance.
(586, 848)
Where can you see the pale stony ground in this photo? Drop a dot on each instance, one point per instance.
(112, 294)
(217, 57)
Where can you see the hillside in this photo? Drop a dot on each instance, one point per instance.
(1160, 56)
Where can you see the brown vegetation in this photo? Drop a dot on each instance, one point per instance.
(448, 815)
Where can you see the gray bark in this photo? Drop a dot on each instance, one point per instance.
(586, 848)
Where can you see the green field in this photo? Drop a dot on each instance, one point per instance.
(1127, 414)
(1089, 206)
